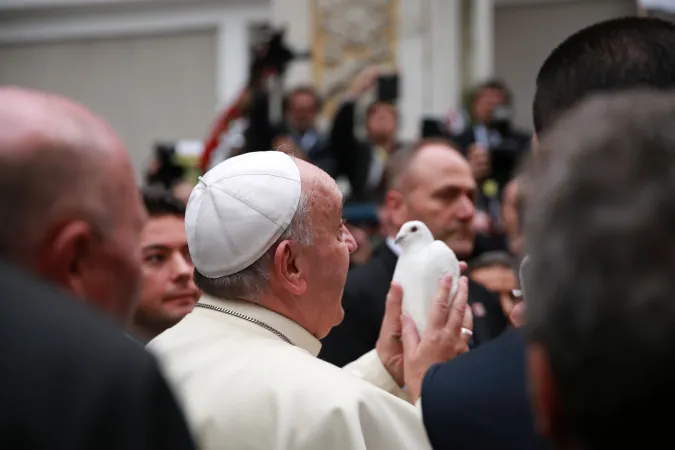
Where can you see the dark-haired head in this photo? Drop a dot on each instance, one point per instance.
(161, 202)
(613, 55)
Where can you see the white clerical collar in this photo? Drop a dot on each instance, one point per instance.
(297, 334)
(392, 246)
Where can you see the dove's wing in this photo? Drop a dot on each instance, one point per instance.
(410, 275)
(419, 273)
(442, 260)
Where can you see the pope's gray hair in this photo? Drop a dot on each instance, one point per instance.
(252, 282)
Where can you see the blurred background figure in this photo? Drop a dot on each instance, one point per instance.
(168, 291)
(182, 191)
(302, 107)
(497, 272)
(491, 117)
(364, 161)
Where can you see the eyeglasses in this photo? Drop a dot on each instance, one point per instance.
(517, 295)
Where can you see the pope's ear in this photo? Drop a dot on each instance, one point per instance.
(289, 268)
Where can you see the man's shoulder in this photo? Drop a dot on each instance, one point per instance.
(484, 393)
(493, 359)
(285, 397)
(259, 373)
(44, 320)
(60, 353)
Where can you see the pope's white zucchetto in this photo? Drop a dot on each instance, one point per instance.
(239, 209)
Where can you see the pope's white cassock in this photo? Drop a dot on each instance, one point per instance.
(248, 377)
(244, 387)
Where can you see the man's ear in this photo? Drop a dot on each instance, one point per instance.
(396, 209)
(63, 256)
(545, 398)
(534, 144)
(290, 268)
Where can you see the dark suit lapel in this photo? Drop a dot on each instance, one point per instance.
(481, 329)
(386, 260)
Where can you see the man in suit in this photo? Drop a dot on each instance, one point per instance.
(71, 380)
(614, 55)
(73, 213)
(431, 182)
(490, 127)
(364, 161)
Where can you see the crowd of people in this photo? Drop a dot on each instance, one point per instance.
(250, 316)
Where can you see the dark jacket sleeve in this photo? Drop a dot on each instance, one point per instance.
(260, 131)
(479, 400)
(144, 412)
(489, 318)
(70, 379)
(352, 156)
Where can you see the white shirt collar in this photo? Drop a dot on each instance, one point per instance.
(392, 246)
(300, 337)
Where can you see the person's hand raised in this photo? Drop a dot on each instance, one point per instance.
(446, 336)
(364, 81)
(479, 160)
(389, 346)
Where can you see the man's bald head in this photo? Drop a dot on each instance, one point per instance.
(53, 153)
(405, 167)
(65, 178)
(432, 182)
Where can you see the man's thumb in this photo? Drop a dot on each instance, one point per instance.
(409, 336)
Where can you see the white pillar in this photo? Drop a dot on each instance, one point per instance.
(482, 40)
(232, 61)
(443, 56)
(296, 17)
(412, 29)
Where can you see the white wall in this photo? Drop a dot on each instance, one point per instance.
(149, 88)
(111, 19)
(173, 64)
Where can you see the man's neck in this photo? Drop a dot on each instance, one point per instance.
(301, 131)
(289, 309)
(143, 333)
(387, 143)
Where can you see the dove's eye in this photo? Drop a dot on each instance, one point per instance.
(413, 229)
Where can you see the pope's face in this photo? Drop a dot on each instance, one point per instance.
(328, 256)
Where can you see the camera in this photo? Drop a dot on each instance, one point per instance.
(271, 52)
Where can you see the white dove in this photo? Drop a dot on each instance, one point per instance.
(422, 263)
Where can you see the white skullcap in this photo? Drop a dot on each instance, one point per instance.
(239, 209)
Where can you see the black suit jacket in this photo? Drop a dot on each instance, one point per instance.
(364, 301)
(466, 138)
(260, 134)
(71, 380)
(479, 400)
